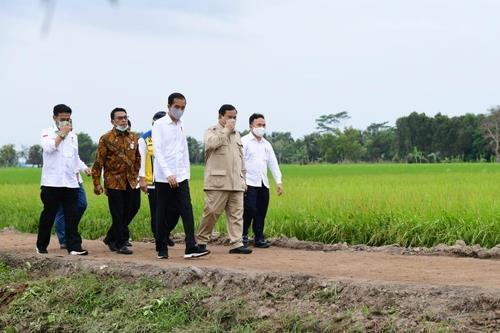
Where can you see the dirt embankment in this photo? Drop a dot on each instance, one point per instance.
(370, 289)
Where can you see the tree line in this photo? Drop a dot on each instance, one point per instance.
(416, 138)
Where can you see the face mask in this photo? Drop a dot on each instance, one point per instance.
(259, 131)
(63, 123)
(176, 113)
(121, 128)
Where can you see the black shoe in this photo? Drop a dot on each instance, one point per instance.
(170, 242)
(195, 252)
(128, 244)
(124, 250)
(111, 246)
(202, 247)
(263, 244)
(79, 252)
(245, 240)
(41, 251)
(162, 254)
(240, 250)
(63, 246)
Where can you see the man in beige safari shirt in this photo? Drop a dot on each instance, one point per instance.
(224, 180)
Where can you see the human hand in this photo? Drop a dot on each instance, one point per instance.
(143, 185)
(279, 189)
(65, 127)
(230, 124)
(172, 181)
(98, 189)
(87, 171)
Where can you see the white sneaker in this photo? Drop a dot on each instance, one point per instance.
(79, 253)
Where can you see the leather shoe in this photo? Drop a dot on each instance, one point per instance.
(240, 250)
(124, 250)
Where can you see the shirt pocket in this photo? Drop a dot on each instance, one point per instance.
(69, 149)
(218, 178)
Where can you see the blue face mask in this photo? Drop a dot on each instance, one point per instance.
(176, 113)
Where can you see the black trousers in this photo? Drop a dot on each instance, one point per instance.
(173, 203)
(152, 209)
(52, 198)
(256, 202)
(123, 206)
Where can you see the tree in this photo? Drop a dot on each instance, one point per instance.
(35, 153)
(283, 145)
(86, 148)
(378, 139)
(195, 148)
(491, 129)
(8, 156)
(310, 145)
(328, 122)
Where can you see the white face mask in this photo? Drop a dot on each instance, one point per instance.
(122, 128)
(63, 123)
(259, 131)
(176, 113)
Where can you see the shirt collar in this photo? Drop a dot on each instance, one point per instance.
(252, 137)
(170, 121)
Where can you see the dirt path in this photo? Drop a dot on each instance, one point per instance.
(340, 265)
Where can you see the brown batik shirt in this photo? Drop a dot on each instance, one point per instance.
(118, 154)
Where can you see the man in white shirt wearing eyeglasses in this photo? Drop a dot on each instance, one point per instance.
(258, 155)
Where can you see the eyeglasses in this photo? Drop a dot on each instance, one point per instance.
(121, 118)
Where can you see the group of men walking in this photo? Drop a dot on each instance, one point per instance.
(235, 180)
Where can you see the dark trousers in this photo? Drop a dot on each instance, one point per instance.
(123, 206)
(256, 202)
(152, 209)
(81, 206)
(52, 198)
(173, 203)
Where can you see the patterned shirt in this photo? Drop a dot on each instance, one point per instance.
(118, 154)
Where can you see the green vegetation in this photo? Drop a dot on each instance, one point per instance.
(409, 205)
(85, 302)
(36, 298)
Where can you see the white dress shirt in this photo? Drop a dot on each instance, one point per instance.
(61, 164)
(171, 150)
(258, 156)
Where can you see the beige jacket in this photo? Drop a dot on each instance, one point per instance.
(224, 167)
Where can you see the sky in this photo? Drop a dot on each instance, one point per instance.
(292, 60)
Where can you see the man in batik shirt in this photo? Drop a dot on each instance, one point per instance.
(118, 155)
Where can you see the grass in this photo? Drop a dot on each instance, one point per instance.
(409, 205)
(85, 302)
(39, 298)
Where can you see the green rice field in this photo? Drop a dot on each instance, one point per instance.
(375, 204)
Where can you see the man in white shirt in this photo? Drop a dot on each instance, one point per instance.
(146, 180)
(171, 175)
(59, 185)
(258, 155)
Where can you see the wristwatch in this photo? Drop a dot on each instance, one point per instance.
(61, 135)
